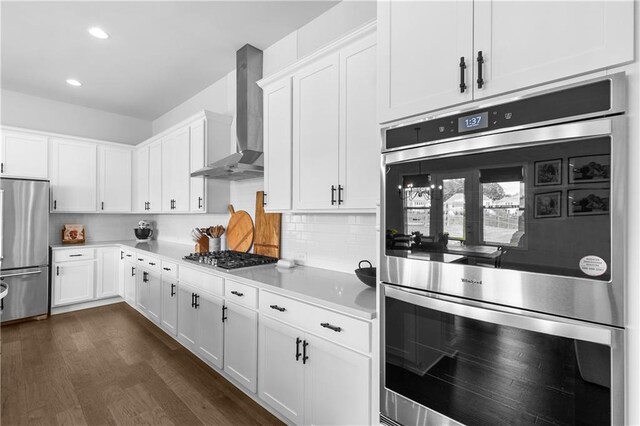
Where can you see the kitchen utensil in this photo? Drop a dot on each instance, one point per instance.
(366, 275)
(267, 233)
(239, 230)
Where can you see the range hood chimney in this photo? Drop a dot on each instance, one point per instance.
(248, 162)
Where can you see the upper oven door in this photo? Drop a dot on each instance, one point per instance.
(531, 218)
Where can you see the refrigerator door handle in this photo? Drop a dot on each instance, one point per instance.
(20, 274)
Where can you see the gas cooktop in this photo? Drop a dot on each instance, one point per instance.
(228, 259)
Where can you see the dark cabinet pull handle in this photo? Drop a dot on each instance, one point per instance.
(128, 255)
(75, 255)
(331, 327)
(237, 293)
(55, 204)
(167, 269)
(224, 317)
(264, 199)
(480, 62)
(277, 308)
(193, 299)
(298, 354)
(145, 277)
(304, 352)
(133, 271)
(152, 264)
(121, 255)
(102, 205)
(199, 202)
(197, 301)
(57, 271)
(463, 67)
(1, 167)
(340, 189)
(333, 195)
(173, 290)
(141, 260)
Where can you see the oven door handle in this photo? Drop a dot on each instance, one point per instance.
(547, 325)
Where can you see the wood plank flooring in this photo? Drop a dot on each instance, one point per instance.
(111, 366)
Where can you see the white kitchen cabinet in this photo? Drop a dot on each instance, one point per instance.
(420, 46)
(108, 275)
(155, 177)
(187, 316)
(73, 176)
(210, 328)
(241, 345)
(277, 145)
(24, 155)
(148, 177)
(73, 282)
(142, 290)
(129, 276)
(197, 150)
(316, 118)
(149, 296)
(115, 180)
(170, 305)
(140, 183)
(176, 175)
(281, 380)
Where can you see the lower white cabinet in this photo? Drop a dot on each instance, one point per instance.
(108, 276)
(148, 294)
(73, 282)
(187, 316)
(241, 345)
(170, 305)
(129, 278)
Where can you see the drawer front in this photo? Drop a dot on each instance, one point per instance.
(169, 269)
(73, 254)
(339, 328)
(241, 293)
(207, 282)
(148, 262)
(281, 307)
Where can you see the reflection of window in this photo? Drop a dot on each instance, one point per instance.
(454, 208)
(416, 195)
(502, 206)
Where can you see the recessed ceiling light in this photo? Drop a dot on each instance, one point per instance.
(73, 82)
(98, 33)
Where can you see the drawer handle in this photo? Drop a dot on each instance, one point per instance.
(128, 255)
(141, 260)
(331, 327)
(237, 293)
(75, 255)
(152, 264)
(167, 269)
(277, 308)
(298, 354)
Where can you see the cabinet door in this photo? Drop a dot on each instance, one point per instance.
(73, 282)
(108, 277)
(130, 283)
(359, 134)
(281, 382)
(24, 155)
(170, 305)
(141, 181)
(575, 38)
(277, 146)
(74, 176)
(115, 179)
(420, 44)
(154, 301)
(175, 172)
(315, 135)
(155, 177)
(210, 328)
(337, 385)
(186, 317)
(142, 290)
(241, 345)
(197, 138)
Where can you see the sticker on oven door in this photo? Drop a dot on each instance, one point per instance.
(593, 266)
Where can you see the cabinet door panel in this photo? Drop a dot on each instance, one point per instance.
(74, 176)
(155, 177)
(115, 179)
(108, 277)
(142, 290)
(24, 155)
(281, 382)
(170, 305)
(197, 139)
(130, 283)
(337, 385)
(315, 134)
(141, 183)
(277, 144)
(241, 345)
(154, 301)
(359, 134)
(175, 172)
(210, 328)
(186, 317)
(73, 282)
(420, 45)
(576, 38)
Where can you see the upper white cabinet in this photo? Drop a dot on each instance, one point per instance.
(437, 54)
(114, 179)
(140, 183)
(24, 155)
(277, 145)
(73, 176)
(175, 171)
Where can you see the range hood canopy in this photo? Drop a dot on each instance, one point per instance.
(248, 162)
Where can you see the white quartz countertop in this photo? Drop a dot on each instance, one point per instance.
(334, 290)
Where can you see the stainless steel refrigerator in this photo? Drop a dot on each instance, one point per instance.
(24, 247)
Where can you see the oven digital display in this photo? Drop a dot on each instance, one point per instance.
(471, 122)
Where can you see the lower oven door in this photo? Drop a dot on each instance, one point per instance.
(446, 360)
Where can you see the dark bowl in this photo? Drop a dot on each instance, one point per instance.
(366, 275)
(142, 233)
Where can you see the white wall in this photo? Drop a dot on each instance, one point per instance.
(32, 112)
(98, 227)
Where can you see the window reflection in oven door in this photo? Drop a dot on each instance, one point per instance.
(445, 362)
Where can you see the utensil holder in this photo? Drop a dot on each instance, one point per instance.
(202, 246)
(214, 244)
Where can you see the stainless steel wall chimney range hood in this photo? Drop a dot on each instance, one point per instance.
(248, 162)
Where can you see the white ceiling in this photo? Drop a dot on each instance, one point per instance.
(159, 53)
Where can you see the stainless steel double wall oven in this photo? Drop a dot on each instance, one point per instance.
(503, 261)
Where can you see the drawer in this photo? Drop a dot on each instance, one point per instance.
(129, 255)
(169, 269)
(241, 293)
(281, 307)
(73, 254)
(207, 282)
(148, 262)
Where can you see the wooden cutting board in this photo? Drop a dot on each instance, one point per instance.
(267, 234)
(239, 231)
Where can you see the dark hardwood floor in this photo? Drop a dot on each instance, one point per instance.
(110, 365)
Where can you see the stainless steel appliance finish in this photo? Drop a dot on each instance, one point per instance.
(228, 259)
(25, 236)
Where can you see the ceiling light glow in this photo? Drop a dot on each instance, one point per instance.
(98, 33)
(73, 82)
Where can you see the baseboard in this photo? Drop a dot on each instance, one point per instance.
(86, 305)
